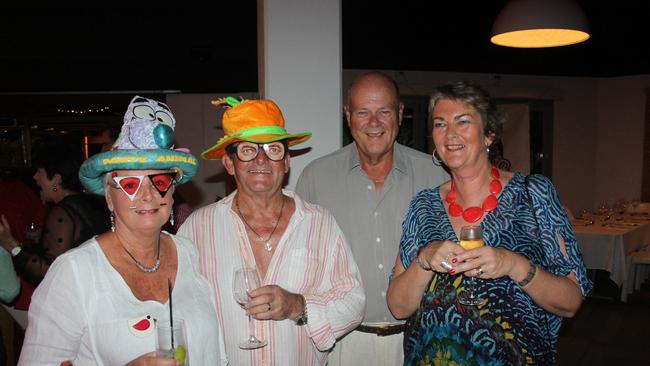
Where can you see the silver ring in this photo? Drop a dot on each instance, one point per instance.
(444, 264)
(479, 272)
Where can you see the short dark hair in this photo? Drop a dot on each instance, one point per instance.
(57, 159)
(473, 95)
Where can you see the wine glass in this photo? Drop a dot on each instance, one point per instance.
(245, 280)
(470, 237)
(32, 233)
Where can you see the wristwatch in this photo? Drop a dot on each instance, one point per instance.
(16, 250)
(302, 317)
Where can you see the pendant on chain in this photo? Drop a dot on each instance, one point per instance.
(267, 245)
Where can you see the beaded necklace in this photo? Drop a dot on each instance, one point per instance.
(474, 213)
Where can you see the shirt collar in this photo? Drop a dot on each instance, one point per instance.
(229, 200)
(399, 159)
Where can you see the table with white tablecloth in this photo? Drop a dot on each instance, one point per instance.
(606, 244)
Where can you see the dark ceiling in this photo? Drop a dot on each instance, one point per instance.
(213, 49)
(454, 36)
(136, 48)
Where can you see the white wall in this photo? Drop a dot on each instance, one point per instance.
(300, 69)
(619, 139)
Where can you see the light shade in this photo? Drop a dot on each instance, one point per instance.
(540, 23)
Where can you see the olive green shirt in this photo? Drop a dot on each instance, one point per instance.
(372, 223)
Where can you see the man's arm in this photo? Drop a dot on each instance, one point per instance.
(339, 310)
(9, 284)
(332, 308)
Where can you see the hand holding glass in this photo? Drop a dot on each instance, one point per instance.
(245, 280)
(470, 237)
(172, 346)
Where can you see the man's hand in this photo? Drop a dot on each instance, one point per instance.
(274, 303)
(6, 239)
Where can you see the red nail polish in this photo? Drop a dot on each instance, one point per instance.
(454, 260)
(452, 271)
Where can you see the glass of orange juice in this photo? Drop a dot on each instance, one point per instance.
(471, 237)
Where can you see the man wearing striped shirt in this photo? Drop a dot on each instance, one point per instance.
(311, 291)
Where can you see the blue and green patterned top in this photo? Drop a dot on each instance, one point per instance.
(508, 328)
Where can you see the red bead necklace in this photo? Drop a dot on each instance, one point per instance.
(473, 214)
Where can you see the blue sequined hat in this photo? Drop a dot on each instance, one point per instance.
(146, 142)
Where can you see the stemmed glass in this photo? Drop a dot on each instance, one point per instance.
(470, 237)
(32, 233)
(244, 281)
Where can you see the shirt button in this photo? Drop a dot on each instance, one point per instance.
(369, 187)
(383, 294)
(378, 239)
(381, 266)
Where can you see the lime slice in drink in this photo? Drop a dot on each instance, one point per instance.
(180, 354)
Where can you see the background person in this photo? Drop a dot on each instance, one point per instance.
(311, 289)
(531, 270)
(99, 303)
(367, 186)
(73, 218)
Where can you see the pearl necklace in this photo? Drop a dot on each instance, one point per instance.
(267, 245)
(474, 213)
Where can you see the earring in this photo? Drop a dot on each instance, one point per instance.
(436, 161)
(112, 221)
(54, 188)
(171, 217)
(488, 149)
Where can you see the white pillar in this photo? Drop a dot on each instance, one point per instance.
(299, 58)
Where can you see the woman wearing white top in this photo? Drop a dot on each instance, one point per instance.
(99, 303)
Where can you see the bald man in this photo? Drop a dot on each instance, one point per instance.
(367, 186)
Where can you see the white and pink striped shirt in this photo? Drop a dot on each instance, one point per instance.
(312, 259)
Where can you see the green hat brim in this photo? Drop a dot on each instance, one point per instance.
(218, 150)
(92, 170)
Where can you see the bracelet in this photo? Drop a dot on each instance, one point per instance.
(419, 263)
(529, 276)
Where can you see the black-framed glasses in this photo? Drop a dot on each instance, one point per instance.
(130, 184)
(248, 151)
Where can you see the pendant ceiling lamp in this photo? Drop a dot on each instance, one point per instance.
(539, 24)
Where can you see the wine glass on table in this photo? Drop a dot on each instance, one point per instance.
(245, 280)
(470, 237)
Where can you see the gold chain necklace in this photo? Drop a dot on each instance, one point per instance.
(267, 246)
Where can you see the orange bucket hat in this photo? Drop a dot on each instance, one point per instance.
(258, 121)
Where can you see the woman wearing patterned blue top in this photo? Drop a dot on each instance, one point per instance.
(530, 271)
